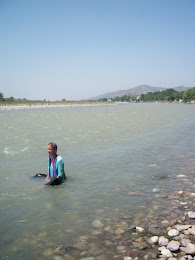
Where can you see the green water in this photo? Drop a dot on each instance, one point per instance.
(110, 152)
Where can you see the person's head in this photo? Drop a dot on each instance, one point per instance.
(52, 149)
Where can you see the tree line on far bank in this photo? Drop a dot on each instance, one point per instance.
(167, 95)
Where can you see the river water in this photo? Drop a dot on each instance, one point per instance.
(116, 158)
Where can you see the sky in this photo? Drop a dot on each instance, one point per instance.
(77, 49)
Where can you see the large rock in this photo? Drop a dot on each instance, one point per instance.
(96, 251)
(182, 227)
(192, 230)
(166, 252)
(163, 241)
(60, 250)
(88, 258)
(140, 230)
(81, 247)
(97, 224)
(173, 233)
(190, 249)
(185, 241)
(173, 246)
(191, 214)
(119, 231)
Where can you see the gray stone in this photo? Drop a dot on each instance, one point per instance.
(60, 250)
(163, 241)
(97, 224)
(140, 230)
(88, 258)
(81, 247)
(173, 232)
(192, 230)
(166, 252)
(191, 214)
(190, 249)
(173, 245)
(184, 242)
(182, 227)
(96, 251)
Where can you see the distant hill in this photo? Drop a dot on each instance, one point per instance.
(142, 89)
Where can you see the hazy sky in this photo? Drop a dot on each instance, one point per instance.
(75, 49)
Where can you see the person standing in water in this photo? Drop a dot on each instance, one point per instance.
(56, 173)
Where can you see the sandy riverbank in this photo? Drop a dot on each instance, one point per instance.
(52, 105)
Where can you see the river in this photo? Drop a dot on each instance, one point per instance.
(117, 158)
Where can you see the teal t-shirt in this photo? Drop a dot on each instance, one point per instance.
(59, 168)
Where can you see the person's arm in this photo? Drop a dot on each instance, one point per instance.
(60, 168)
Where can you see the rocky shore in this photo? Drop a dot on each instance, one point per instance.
(168, 236)
(51, 105)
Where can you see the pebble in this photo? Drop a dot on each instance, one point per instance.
(192, 230)
(48, 252)
(190, 249)
(81, 247)
(154, 239)
(166, 252)
(173, 232)
(119, 231)
(191, 214)
(97, 224)
(163, 241)
(182, 227)
(173, 246)
(88, 258)
(140, 230)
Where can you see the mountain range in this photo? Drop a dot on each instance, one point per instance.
(142, 89)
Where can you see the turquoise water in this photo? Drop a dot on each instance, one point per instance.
(110, 153)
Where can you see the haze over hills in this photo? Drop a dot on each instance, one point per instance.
(142, 89)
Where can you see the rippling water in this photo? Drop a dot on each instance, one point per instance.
(114, 158)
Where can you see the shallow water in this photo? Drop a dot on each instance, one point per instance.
(115, 156)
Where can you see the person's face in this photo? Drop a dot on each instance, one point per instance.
(49, 150)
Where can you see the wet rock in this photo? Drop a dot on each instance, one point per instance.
(69, 257)
(132, 254)
(191, 214)
(128, 258)
(173, 232)
(57, 257)
(184, 242)
(60, 250)
(166, 252)
(102, 257)
(182, 227)
(140, 230)
(121, 248)
(96, 251)
(190, 249)
(88, 258)
(192, 230)
(119, 231)
(48, 252)
(155, 190)
(97, 224)
(172, 222)
(153, 240)
(180, 192)
(81, 247)
(163, 241)
(173, 246)
(108, 243)
(165, 222)
(181, 176)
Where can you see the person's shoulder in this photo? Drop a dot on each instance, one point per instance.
(59, 158)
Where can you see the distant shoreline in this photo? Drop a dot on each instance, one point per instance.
(52, 105)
